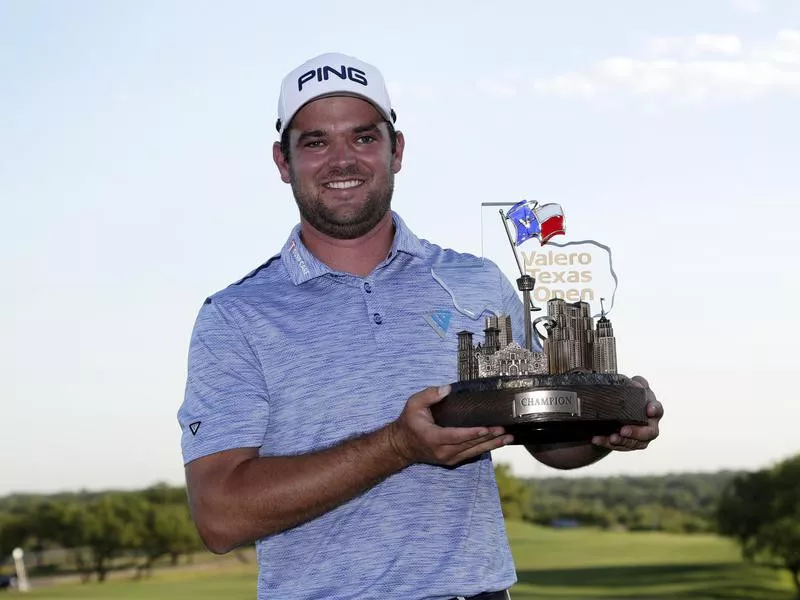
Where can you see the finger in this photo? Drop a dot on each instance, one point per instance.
(430, 396)
(478, 449)
(625, 444)
(451, 454)
(486, 438)
(608, 442)
(456, 436)
(655, 410)
(619, 442)
(642, 434)
(640, 381)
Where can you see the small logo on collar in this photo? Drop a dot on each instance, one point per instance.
(439, 320)
(298, 259)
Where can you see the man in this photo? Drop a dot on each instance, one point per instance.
(306, 422)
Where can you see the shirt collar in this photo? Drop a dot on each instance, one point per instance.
(405, 240)
(303, 266)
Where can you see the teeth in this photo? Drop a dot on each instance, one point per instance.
(343, 185)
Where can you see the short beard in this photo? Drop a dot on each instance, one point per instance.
(315, 213)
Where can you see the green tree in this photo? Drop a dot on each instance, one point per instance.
(110, 524)
(515, 495)
(43, 523)
(168, 531)
(761, 511)
(63, 522)
(163, 493)
(12, 534)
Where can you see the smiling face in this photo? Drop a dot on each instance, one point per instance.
(341, 165)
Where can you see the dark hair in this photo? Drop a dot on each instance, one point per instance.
(286, 150)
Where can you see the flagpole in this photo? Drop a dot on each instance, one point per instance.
(511, 241)
(525, 284)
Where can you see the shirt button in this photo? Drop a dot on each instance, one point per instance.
(367, 287)
(377, 318)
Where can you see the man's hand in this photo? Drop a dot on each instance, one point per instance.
(416, 438)
(632, 437)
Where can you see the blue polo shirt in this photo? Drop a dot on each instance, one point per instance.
(297, 357)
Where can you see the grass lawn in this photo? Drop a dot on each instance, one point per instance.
(216, 578)
(586, 563)
(557, 564)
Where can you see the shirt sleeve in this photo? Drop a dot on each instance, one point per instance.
(226, 404)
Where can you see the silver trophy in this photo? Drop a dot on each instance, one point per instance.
(563, 386)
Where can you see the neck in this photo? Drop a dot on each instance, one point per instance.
(359, 256)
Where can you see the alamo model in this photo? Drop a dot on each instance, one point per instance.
(569, 390)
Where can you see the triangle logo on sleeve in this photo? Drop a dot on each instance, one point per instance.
(193, 427)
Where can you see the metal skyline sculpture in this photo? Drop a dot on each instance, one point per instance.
(574, 341)
(566, 392)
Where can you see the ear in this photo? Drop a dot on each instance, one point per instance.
(397, 157)
(280, 162)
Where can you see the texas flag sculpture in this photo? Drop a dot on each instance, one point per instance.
(531, 220)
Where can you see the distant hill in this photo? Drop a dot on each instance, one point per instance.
(680, 502)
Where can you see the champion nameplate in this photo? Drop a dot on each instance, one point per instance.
(547, 401)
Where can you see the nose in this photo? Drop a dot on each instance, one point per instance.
(342, 154)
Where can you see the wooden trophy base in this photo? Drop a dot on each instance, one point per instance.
(546, 409)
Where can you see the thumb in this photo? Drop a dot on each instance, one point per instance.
(432, 395)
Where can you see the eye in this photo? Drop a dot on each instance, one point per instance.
(365, 139)
(314, 144)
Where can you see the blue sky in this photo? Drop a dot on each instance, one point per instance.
(136, 178)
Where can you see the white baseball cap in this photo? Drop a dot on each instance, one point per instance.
(332, 74)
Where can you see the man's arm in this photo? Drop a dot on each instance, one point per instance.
(237, 497)
(573, 456)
